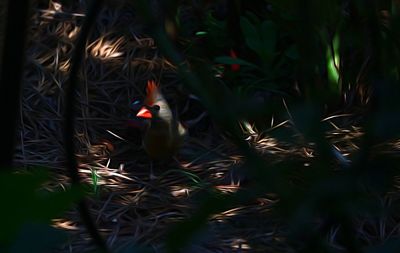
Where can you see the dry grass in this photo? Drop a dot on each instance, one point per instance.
(130, 208)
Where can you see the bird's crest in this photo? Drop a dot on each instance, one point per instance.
(151, 92)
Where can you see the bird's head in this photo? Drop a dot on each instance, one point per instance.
(155, 106)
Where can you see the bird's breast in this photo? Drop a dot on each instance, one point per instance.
(159, 144)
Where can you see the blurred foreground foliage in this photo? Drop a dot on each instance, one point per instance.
(28, 209)
(321, 58)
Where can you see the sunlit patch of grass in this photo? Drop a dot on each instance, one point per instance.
(104, 49)
(180, 192)
(240, 244)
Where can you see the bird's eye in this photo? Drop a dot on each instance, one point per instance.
(156, 107)
(135, 104)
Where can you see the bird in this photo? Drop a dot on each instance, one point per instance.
(164, 134)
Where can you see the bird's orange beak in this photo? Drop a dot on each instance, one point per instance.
(144, 113)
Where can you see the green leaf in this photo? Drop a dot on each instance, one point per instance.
(261, 38)
(254, 44)
(248, 29)
(201, 33)
(95, 180)
(292, 52)
(268, 38)
(333, 64)
(252, 17)
(250, 32)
